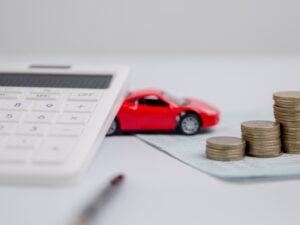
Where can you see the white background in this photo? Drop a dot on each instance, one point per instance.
(66, 27)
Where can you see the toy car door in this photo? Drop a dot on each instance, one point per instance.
(155, 114)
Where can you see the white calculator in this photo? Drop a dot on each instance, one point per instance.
(54, 118)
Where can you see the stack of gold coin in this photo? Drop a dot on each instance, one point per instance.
(262, 138)
(287, 113)
(225, 148)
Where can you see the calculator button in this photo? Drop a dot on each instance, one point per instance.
(66, 130)
(74, 118)
(54, 150)
(14, 155)
(20, 142)
(41, 96)
(85, 96)
(53, 106)
(6, 128)
(13, 117)
(80, 107)
(35, 117)
(46, 91)
(6, 95)
(13, 90)
(31, 129)
(15, 105)
(2, 139)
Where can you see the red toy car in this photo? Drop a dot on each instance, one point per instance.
(155, 110)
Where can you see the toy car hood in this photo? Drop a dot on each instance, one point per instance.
(201, 107)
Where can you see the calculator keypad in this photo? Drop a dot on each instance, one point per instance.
(22, 142)
(14, 155)
(54, 151)
(47, 106)
(85, 96)
(10, 116)
(41, 96)
(6, 128)
(18, 105)
(80, 107)
(73, 118)
(42, 125)
(32, 129)
(8, 95)
(40, 117)
(66, 130)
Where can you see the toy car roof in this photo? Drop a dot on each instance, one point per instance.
(144, 92)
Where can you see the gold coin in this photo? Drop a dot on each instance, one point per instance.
(287, 103)
(225, 148)
(293, 151)
(290, 149)
(261, 137)
(290, 139)
(224, 155)
(259, 151)
(266, 155)
(231, 151)
(287, 135)
(212, 157)
(287, 125)
(278, 149)
(225, 142)
(291, 108)
(291, 145)
(291, 142)
(286, 119)
(263, 140)
(263, 148)
(261, 132)
(258, 125)
(290, 130)
(287, 95)
(281, 113)
(258, 136)
(284, 115)
(263, 144)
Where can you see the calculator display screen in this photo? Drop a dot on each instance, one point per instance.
(55, 80)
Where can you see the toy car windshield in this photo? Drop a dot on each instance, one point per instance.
(177, 101)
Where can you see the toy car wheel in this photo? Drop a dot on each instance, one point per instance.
(114, 127)
(190, 124)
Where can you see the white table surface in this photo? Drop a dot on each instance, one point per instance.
(158, 189)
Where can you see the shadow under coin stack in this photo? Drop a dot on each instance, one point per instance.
(287, 113)
(262, 138)
(225, 148)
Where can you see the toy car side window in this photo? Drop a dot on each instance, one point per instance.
(152, 100)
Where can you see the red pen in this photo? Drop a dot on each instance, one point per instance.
(88, 215)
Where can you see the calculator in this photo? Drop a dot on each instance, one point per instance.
(54, 118)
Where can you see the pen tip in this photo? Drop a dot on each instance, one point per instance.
(118, 179)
